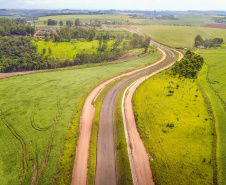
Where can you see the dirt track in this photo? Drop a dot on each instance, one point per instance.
(105, 164)
(82, 150)
(139, 159)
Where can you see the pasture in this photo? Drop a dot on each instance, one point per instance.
(180, 36)
(176, 129)
(35, 112)
(212, 79)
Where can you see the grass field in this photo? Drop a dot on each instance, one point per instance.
(35, 114)
(176, 129)
(68, 50)
(182, 20)
(180, 36)
(212, 79)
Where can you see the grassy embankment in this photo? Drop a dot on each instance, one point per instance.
(176, 129)
(180, 36)
(212, 78)
(36, 110)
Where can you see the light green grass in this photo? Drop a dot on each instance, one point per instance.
(180, 36)
(45, 99)
(181, 154)
(182, 20)
(68, 50)
(212, 79)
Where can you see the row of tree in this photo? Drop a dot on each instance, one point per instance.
(207, 43)
(69, 23)
(189, 66)
(10, 26)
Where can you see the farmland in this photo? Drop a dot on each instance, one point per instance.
(180, 36)
(212, 79)
(35, 114)
(180, 20)
(177, 135)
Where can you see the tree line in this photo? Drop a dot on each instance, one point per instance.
(207, 43)
(21, 54)
(189, 66)
(17, 27)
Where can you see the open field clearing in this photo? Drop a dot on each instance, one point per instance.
(35, 113)
(68, 50)
(212, 79)
(176, 128)
(180, 36)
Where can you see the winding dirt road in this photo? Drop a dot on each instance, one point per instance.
(139, 159)
(79, 175)
(106, 163)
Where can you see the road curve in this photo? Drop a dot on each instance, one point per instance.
(139, 159)
(79, 175)
(105, 161)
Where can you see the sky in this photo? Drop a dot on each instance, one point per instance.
(115, 4)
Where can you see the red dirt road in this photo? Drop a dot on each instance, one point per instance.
(139, 159)
(82, 150)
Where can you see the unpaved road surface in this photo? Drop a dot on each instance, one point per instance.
(79, 176)
(106, 163)
(139, 159)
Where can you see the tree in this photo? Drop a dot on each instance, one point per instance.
(44, 51)
(52, 22)
(69, 23)
(198, 41)
(92, 33)
(61, 23)
(77, 22)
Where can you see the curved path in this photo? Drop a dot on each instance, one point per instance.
(138, 157)
(106, 163)
(79, 175)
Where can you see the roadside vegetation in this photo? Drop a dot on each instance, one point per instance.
(35, 113)
(176, 128)
(212, 78)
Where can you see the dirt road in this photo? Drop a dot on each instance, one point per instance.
(105, 163)
(139, 159)
(82, 150)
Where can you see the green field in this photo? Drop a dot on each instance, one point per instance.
(212, 79)
(180, 36)
(176, 129)
(35, 114)
(68, 50)
(182, 20)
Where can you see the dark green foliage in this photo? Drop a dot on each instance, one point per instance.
(77, 22)
(189, 66)
(208, 43)
(52, 22)
(69, 23)
(10, 26)
(61, 23)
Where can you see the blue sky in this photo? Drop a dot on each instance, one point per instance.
(116, 4)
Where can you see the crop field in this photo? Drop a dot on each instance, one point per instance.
(181, 20)
(176, 128)
(180, 36)
(35, 111)
(212, 79)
